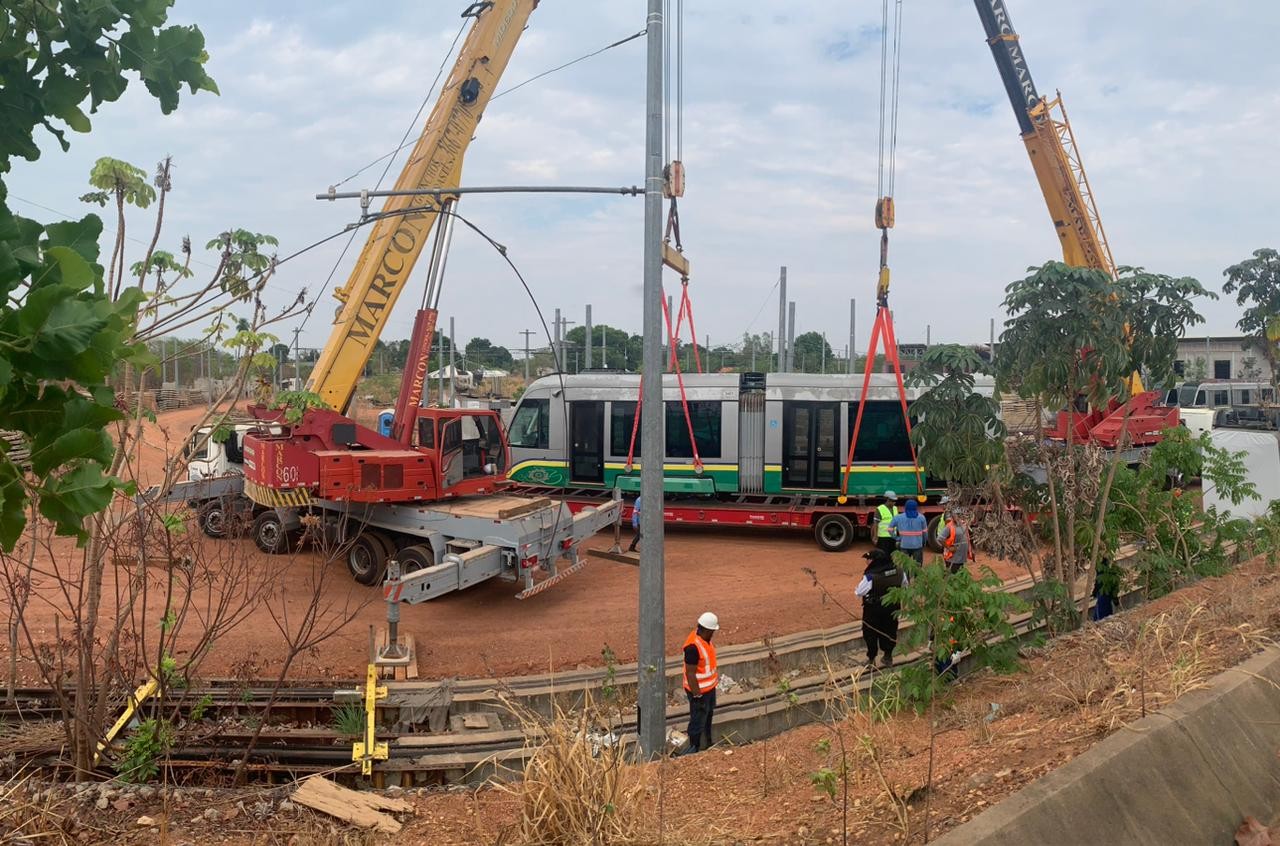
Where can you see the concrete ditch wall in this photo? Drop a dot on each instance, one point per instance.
(1186, 775)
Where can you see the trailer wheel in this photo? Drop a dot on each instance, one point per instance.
(931, 534)
(833, 532)
(367, 559)
(269, 533)
(415, 558)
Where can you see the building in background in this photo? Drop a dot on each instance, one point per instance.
(1220, 357)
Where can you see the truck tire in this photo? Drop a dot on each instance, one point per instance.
(367, 559)
(224, 517)
(415, 558)
(214, 518)
(269, 534)
(833, 532)
(931, 534)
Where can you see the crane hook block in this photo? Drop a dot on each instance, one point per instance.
(884, 213)
(673, 179)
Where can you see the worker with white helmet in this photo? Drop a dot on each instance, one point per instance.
(700, 680)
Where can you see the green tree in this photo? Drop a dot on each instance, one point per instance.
(813, 354)
(1077, 333)
(957, 433)
(481, 353)
(1256, 284)
(62, 332)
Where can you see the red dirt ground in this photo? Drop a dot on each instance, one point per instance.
(753, 579)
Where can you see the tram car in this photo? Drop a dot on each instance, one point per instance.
(756, 434)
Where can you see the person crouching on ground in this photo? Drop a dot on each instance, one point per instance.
(910, 527)
(879, 615)
(700, 680)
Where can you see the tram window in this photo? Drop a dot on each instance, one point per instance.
(531, 426)
(622, 417)
(705, 417)
(883, 436)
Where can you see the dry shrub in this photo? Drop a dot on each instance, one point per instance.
(29, 815)
(35, 738)
(578, 786)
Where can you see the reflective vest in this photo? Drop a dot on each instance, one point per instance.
(886, 513)
(707, 674)
(955, 542)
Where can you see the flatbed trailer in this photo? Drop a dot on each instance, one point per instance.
(440, 546)
(834, 526)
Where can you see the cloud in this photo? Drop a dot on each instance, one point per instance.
(779, 140)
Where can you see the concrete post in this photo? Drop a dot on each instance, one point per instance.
(526, 333)
(555, 344)
(791, 337)
(782, 320)
(604, 347)
(993, 342)
(651, 646)
(590, 338)
(853, 324)
(453, 364)
(928, 335)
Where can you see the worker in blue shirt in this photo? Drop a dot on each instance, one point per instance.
(910, 528)
(635, 525)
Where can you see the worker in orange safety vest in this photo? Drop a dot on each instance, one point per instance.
(954, 537)
(700, 680)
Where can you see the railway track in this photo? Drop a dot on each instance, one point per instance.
(464, 730)
(461, 731)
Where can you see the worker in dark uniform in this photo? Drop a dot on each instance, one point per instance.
(879, 615)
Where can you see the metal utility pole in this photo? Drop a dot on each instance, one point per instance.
(853, 325)
(993, 342)
(590, 336)
(782, 320)
(297, 361)
(791, 337)
(526, 333)
(928, 335)
(604, 347)
(824, 352)
(651, 646)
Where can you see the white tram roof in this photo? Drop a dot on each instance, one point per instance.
(725, 386)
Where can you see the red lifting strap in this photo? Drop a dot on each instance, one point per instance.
(684, 400)
(882, 328)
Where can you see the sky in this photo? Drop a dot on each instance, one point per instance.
(1175, 105)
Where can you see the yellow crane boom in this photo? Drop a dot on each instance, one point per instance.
(397, 239)
(1051, 144)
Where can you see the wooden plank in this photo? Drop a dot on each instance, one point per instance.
(632, 558)
(356, 807)
(411, 671)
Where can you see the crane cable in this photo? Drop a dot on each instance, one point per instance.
(675, 185)
(882, 328)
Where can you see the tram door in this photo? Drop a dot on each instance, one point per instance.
(586, 441)
(810, 448)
